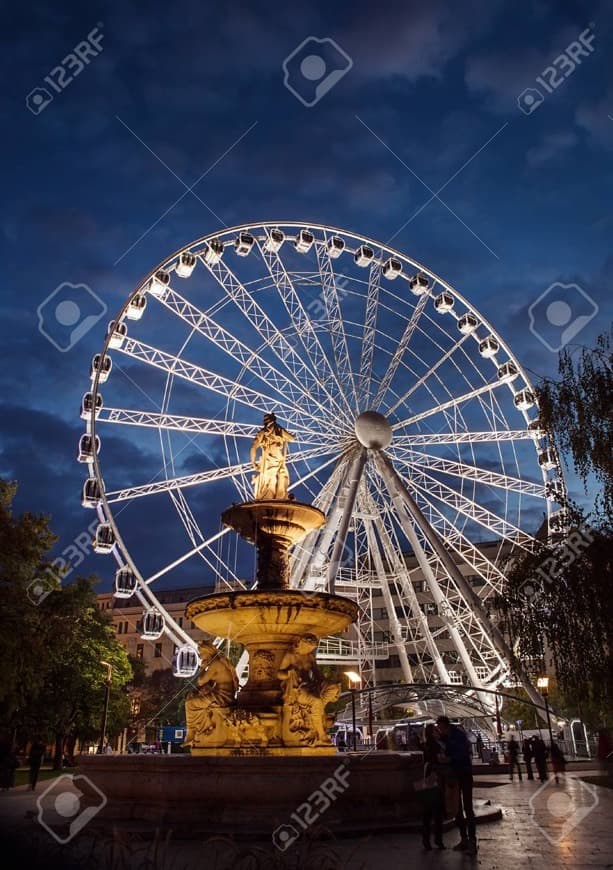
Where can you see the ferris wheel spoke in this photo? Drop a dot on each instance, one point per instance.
(208, 380)
(212, 475)
(400, 350)
(237, 350)
(335, 319)
(279, 344)
(407, 590)
(309, 339)
(464, 547)
(449, 353)
(407, 515)
(193, 552)
(471, 472)
(196, 425)
(452, 403)
(306, 551)
(429, 486)
(368, 341)
(426, 439)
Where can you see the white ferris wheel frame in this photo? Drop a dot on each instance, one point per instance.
(374, 496)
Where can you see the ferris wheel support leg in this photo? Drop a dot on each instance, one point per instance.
(352, 480)
(437, 593)
(395, 482)
(395, 627)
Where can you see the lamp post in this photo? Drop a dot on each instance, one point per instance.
(354, 680)
(107, 691)
(543, 684)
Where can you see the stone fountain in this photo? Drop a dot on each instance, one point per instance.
(281, 709)
(260, 756)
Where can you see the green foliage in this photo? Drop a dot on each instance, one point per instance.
(560, 598)
(52, 681)
(562, 601)
(576, 411)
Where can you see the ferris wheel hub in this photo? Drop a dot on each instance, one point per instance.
(373, 430)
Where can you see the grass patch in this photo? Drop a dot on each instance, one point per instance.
(22, 774)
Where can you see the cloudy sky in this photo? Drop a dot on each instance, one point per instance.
(475, 137)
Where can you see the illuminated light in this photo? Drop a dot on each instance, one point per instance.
(304, 240)
(444, 302)
(420, 284)
(87, 404)
(186, 264)
(136, 307)
(364, 255)
(335, 247)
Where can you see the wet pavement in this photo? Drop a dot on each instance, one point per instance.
(543, 826)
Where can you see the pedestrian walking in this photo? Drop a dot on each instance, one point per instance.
(513, 750)
(432, 793)
(35, 759)
(539, 750)
(479, 746)
(558, 762)
(458, 753)
(341, 743)
(526, 751)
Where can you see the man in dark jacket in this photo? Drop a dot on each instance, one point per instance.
(35, 758)
(458, 751)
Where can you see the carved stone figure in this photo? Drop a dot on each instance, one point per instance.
(244, 727)
(272, 479)
(217, 687)
(305, 694)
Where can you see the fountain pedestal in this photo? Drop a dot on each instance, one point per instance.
(281, 709)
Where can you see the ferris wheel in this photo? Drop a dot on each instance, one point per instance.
(416, 432)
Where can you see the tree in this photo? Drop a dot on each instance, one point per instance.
(53, 640)
(576, 412)
(26, 578)
(559, 598)
(78, 638)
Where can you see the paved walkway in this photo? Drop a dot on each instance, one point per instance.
(544, 826)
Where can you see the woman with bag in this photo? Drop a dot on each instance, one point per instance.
(432, 794)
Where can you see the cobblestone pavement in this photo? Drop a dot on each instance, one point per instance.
(569, 825)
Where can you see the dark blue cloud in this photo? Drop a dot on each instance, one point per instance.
(87, 202)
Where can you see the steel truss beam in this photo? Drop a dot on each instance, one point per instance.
(398, 490)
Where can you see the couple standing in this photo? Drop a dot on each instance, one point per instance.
(447, 756)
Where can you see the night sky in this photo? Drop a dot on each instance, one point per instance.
(420, 143)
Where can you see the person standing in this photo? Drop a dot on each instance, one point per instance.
(35, 759)
(513, 750)
(558, 762)
(433, 808)
(540, 757)
(458, 752)
(526, 750)
(479, 746)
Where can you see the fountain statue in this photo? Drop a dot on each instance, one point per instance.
(282, 708)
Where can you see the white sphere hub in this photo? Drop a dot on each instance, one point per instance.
(373, 430)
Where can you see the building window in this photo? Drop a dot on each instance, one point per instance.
(158, 651)
(180, 622)
(140, 649)
(120, 628)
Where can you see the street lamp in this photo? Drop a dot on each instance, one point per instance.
(543, 684)
(354, 680)
(107, 691)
